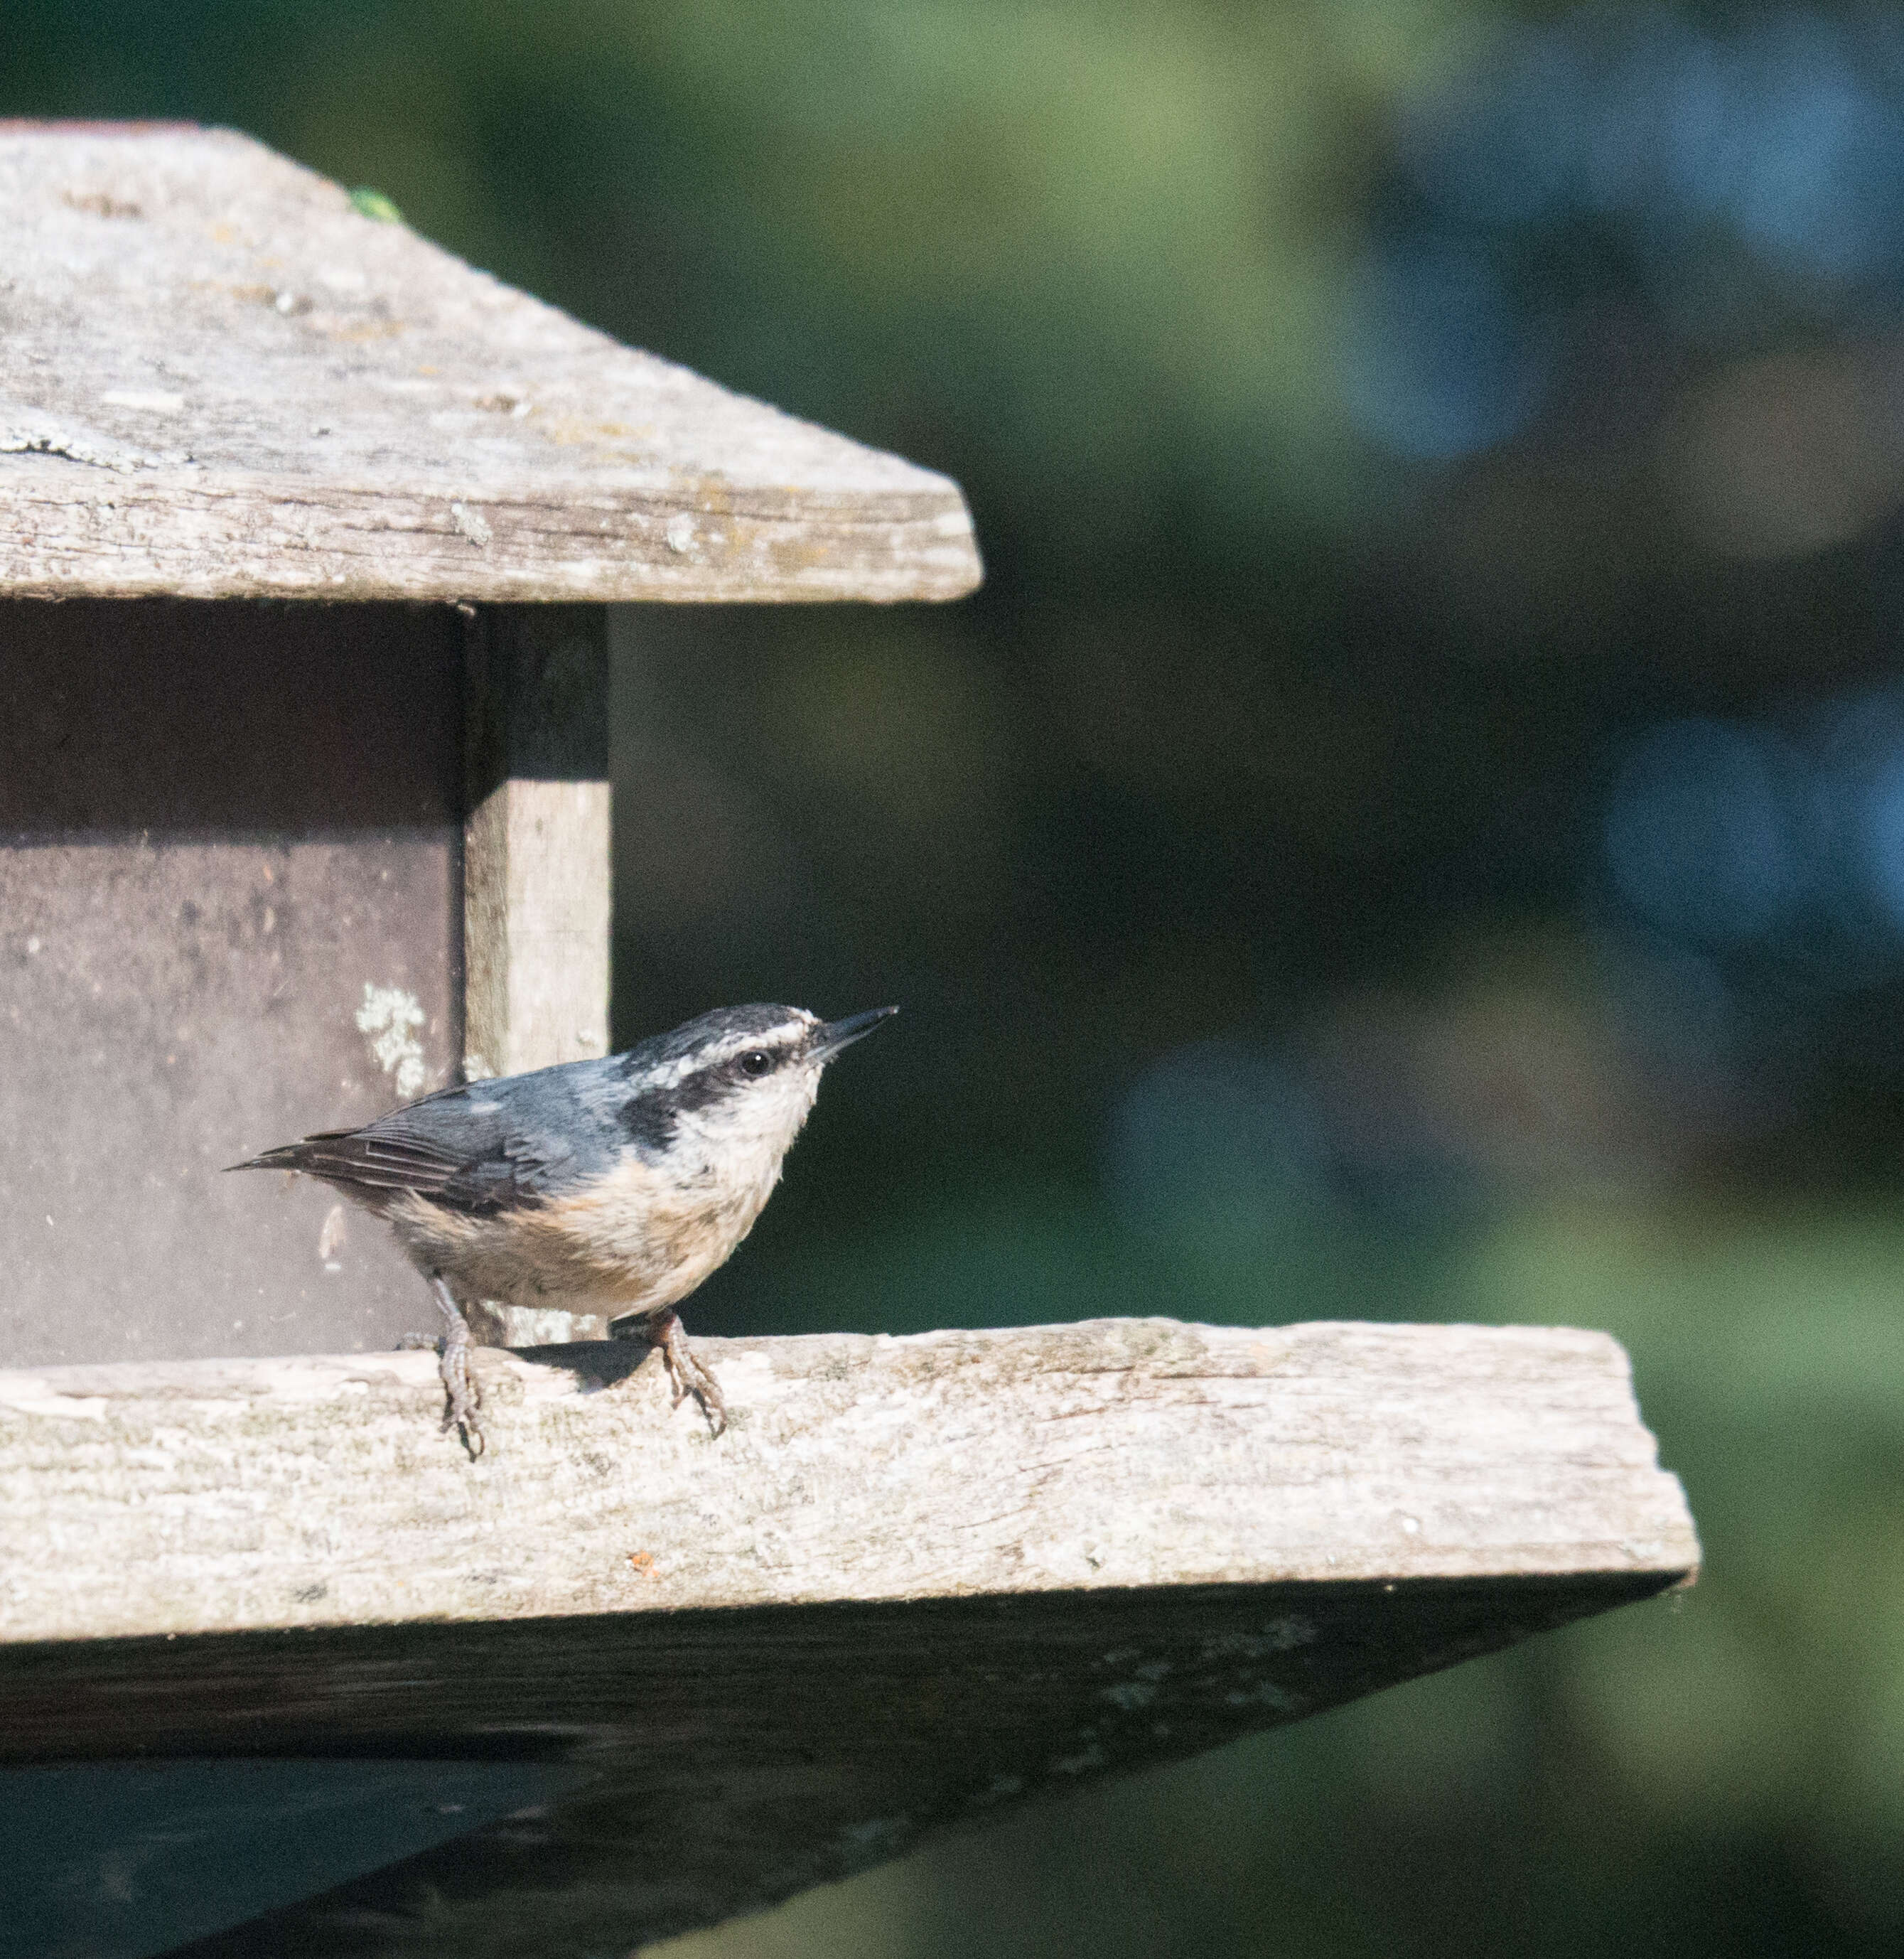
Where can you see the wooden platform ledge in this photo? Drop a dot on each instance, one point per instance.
(918, 1579)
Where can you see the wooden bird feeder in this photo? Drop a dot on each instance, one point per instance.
(308, 533)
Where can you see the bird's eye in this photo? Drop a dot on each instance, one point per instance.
(756, 1061)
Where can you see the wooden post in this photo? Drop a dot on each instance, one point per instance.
(536, 872)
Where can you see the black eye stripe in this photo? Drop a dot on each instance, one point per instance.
(650, 1115)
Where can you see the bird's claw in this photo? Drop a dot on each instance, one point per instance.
(463, 1396)
(686, 1375)
(462, 1390)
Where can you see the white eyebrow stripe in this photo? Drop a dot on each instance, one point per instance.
(679, 1071)
(783, 1036)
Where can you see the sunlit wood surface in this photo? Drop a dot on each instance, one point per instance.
(219, 378)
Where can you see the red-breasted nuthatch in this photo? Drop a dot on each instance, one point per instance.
(610, 1187)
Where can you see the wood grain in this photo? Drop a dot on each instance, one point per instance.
(222, 1496)
(218, 379)
(919, 1581)
(536, 926)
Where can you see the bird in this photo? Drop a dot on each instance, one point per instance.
(613, 1186)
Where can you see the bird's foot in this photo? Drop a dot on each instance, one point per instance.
(463, 1391)
(686, 1373)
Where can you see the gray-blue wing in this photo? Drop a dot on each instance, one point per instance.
(482, 1148)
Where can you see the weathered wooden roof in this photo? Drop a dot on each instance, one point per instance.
(218, 379)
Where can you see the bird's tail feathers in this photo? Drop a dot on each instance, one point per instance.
(310, 1156)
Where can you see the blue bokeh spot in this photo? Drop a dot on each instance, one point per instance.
(1699, 838)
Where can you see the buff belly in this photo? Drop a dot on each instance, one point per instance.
(622, 1245)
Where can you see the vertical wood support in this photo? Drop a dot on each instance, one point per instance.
(536, 869)
(536, 841)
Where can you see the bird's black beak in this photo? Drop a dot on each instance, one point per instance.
(831, 1036)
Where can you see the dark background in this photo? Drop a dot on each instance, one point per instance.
(1412, 827)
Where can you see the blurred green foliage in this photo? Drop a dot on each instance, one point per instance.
(1256, 735)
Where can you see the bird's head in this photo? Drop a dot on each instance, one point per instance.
(733, 1088)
